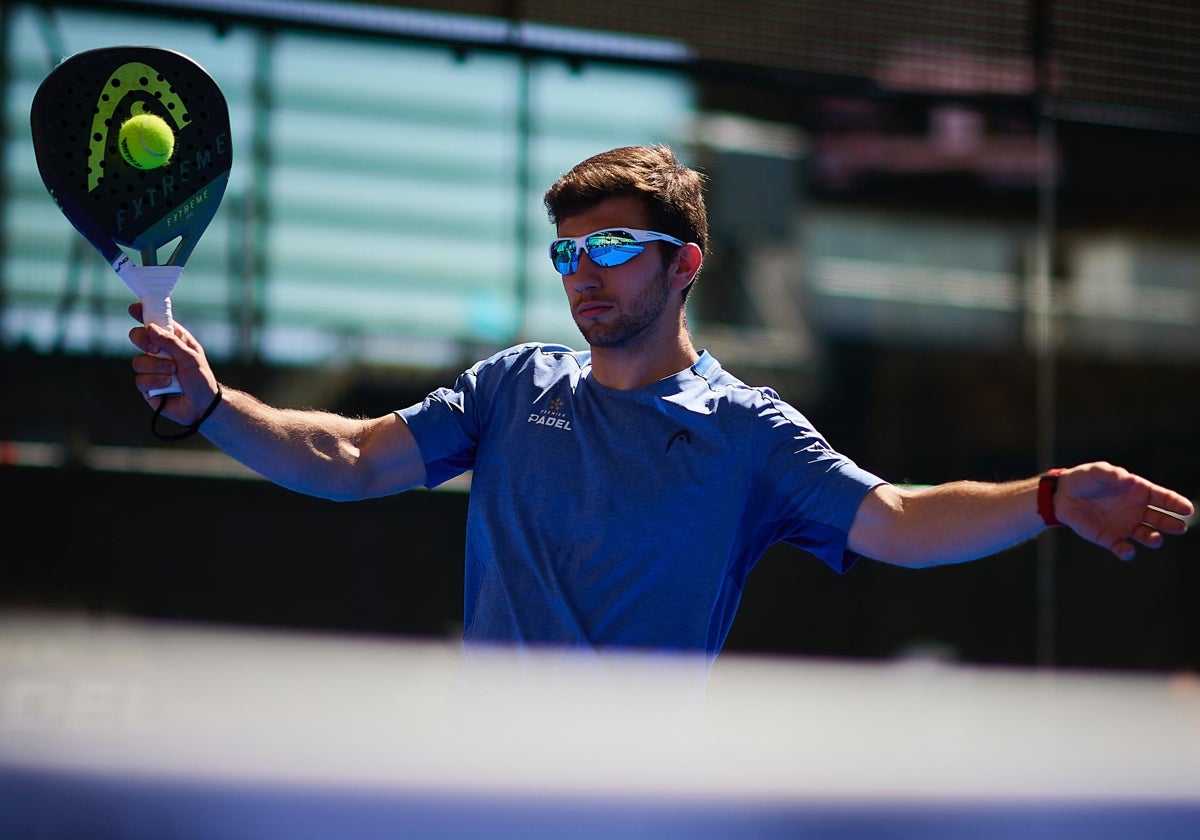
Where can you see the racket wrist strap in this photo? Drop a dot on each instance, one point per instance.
(189, 430)
(1047, 486)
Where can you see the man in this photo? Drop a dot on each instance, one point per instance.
(622, 495)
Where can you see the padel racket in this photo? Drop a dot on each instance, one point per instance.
(76, 117)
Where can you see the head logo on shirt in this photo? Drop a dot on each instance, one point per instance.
(681, 436)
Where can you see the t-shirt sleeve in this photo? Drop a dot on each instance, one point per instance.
(451, 424)
(446, 426)
(811, 491)
(847, 485)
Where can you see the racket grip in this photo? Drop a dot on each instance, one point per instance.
(158, 311)
(153, 285)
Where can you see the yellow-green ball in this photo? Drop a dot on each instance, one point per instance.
(146, 141)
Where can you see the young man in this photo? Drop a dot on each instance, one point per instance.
(621, 495)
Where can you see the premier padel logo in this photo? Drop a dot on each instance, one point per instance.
(552, 415)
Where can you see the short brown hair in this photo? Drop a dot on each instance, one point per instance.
(673, 194)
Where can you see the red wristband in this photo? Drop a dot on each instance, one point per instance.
(1047, 485)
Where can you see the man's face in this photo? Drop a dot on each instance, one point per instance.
(621, 306)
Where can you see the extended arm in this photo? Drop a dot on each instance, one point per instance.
(316, 452)
(964, 520)
(312, 452)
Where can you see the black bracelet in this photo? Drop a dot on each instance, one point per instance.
(190, 430)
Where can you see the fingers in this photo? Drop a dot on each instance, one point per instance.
(185, 337)
(1150, 533)
(1126, 547)
(153, 339)
(149, 339)
(152, 365)
(139, 338)
(152, 373)
(1142, 535)
(1170, 502)
(1168, 520)
(1145, 535)
(154, 370)
(1124, 550)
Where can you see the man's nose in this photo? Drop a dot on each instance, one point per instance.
(587, 275)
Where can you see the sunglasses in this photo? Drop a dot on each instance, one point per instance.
(605, 248)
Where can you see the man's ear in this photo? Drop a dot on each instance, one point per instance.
(686, 265)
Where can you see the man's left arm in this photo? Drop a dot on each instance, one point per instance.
(965, 520)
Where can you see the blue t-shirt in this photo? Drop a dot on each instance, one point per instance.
(626, 518)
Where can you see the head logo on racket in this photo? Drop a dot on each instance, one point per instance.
(140, 82)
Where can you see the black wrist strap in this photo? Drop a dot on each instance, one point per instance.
(190, 430)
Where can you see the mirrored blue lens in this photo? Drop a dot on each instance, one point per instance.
(565, 256)
(612, 247)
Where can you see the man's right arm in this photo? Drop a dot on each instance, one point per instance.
(316, 452)
(313, 452)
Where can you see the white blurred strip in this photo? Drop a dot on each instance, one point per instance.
(338, 713)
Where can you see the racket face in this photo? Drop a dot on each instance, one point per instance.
(76, 119)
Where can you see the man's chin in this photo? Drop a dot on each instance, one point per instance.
(610, 337)
(597, 336)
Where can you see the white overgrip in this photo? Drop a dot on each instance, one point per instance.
(153, 285)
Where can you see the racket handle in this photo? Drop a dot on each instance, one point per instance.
(158, 311)
(153, 285)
